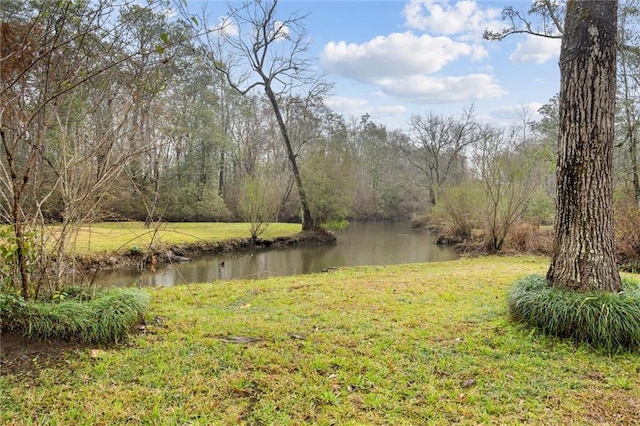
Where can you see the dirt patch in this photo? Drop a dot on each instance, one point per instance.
(608, 406)
(22, 356)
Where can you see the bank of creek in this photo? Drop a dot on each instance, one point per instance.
(361, 243)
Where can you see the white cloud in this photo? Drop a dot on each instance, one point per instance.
(225, 27)
(388, 110)
(398, 54)
(345, 104)
(356, 107)
(394, 64)
(512, 115)
(411, 67)
(461, 17)
(427, 89)
(536, 49)
(280, 31)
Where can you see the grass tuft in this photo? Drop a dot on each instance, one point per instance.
(607, 320)
(107, 318)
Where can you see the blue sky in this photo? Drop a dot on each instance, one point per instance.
(392, 59)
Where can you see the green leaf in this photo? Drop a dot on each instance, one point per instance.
(165, 38)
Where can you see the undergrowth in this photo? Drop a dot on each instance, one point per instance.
(607, 320)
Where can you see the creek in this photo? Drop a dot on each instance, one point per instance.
(360, 243)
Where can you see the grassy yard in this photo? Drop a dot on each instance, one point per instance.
(408, 344)
(122, 236)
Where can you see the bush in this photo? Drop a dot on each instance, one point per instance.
(525, 237)
(540, 208)
(107, 318)
(607, 320)
(457, 210)
(258, 205)
(627, 223)
(336, 224)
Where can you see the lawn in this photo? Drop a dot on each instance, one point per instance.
(405, 344)
(112, 237)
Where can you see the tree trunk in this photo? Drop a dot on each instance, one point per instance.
(583, 252)
(221, 181)
(633, 153)
(308, 224)
(20, 253)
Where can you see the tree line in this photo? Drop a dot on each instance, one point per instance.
(119, 111)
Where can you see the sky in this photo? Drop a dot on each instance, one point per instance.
(393, 59)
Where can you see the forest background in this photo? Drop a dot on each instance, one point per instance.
(114, 112)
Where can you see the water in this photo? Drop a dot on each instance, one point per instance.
(370, 243)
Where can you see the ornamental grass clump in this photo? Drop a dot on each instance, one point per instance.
(607, 320)
(107, 318)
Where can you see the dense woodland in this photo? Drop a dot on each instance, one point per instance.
(115, 111)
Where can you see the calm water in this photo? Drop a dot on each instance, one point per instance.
(370, 243)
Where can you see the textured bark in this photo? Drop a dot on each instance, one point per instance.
(583, 253)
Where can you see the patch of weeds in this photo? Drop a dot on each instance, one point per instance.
(330, 397)
(135, 250)
(336, 224)
(373, 401)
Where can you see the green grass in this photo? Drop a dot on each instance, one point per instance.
(110, 237)
(407, 344)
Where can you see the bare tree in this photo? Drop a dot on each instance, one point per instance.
(629, 89)
(48, 51)
(438, 144)
(254, 49)
(549, 23)
(510, 174)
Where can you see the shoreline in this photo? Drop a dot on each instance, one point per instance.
(161, 254)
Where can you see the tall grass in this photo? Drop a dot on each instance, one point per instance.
(607, 320)
(107, 318)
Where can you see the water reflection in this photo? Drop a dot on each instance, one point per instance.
(371, 243)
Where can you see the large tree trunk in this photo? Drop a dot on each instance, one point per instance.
(583, 252)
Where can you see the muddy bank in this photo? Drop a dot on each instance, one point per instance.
(162, 254)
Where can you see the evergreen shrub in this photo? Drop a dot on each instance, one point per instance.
(107, 318)
(607, 320)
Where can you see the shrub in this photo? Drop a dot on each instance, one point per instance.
(258, 205)
(457, 209)
(336, 224)
(607, 320)
(525, 237)
(540, 208)
(107, 318)
(627, 227)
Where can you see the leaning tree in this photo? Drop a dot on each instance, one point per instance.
(254, 49)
